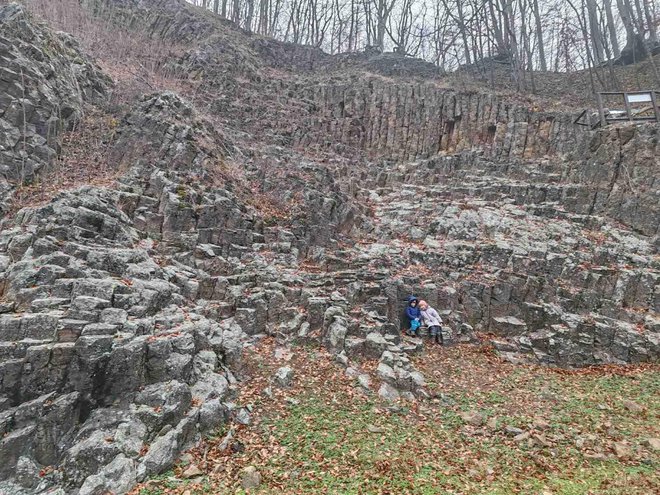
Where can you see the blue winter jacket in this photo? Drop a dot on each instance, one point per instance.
(411, 312)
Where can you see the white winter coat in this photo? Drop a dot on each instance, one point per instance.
(431, 317)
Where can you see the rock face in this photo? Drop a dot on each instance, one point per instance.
(326, 196)
(104, 372)
(44, 81)
(409, 121)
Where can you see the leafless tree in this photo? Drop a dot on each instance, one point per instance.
(528, 35)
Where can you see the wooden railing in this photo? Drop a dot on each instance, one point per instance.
(638, 106)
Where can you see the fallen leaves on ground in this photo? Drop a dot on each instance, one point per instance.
(566, 430)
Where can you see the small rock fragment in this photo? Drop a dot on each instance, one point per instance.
(633, 407)
(352, 372)
(622, 450)
(251, 478)
(242, 416)
(364, 381)
(541, 440)
(284, 376)
(342, 359)
(473, 418)
(386, 372)
(521, 437)
(388, 392)
(191, 471)
(653, 443)
(513, 431)
(540, 424)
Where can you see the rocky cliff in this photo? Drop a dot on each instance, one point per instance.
(404, 122)
(44, 81)
(298, 195)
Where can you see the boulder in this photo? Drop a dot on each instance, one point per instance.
(388, 393)
(473, 418)
(250, 478)
(284, 376)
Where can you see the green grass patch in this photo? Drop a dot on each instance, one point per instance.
(330, 448)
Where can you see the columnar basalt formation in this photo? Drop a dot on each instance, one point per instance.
(407, 121)
(44, 80)
(328, 194)
(96, 341)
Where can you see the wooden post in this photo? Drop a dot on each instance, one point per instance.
(625, 100)
(601, 110)
(654, 102)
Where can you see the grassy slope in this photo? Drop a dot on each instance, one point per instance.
(324, 436)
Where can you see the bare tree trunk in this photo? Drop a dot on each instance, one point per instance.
(497, 29)
(249, 16)
(539, 36)
(524, 33)
(275, 16)
(594, 31)
(262, 27)
(611, 26)
(463, 29)
(627, 22)
(352, 38)
(640, 18)
(383, 12)
(582, 20)
(236, 13)
(650, 21)
(510, 26)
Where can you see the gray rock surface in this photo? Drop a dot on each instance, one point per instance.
(124, 310)
(251, 478)
(44, 81)
(284, 376)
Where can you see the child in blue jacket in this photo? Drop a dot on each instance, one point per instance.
(414, 316)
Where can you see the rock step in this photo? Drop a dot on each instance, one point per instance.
(19, 350)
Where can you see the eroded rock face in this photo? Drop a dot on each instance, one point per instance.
(44, 80)
(96, 334)
(502, 216)
(108, 372)
(124, 311)
(407, 121)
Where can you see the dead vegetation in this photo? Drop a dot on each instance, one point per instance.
(136, 63)
(579, 433)
(82, 161)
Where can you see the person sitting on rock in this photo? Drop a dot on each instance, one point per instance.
(432, 320)
(414, 316)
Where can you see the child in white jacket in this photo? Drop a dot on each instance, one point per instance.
(433, 321)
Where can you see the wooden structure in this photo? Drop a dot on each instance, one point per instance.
(638, 106)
